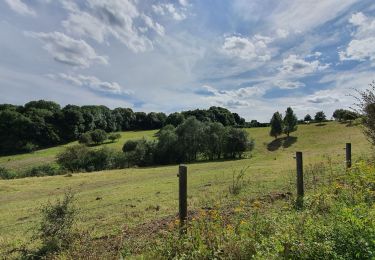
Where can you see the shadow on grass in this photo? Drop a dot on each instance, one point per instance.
(285, 142)
(320, 124)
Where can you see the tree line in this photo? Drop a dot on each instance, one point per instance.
(190, 141)
(40, 124)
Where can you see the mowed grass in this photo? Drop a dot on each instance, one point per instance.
(110, 200)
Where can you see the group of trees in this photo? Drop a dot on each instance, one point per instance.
(190, 141)
(44, 123)
(286, 125)
(343, 115)
(319, 117)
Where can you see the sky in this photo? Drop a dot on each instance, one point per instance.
(252, 57)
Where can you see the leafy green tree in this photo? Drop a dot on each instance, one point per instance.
(276, 125)
(290, 121)
(190, 134)
(237, 142)
(307, 118)
(214, 135)
(167, 146)
(320, 117)
(85, 139)
(98, 136)
(73, 158)
(175, 119)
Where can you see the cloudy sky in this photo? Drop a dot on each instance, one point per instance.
(252, 57)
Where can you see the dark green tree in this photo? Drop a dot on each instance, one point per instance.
(290, 121)
(307, 118)
(276, 125)
(319, 117)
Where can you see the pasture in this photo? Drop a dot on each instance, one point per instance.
(109, 201)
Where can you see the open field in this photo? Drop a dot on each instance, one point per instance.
(109, 200)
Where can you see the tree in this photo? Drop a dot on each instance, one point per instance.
(307, 118)
(290, 121)
(213, 140)
(366, 106)
(98, 136)
(276, 125)
(190, 134)
(175, 119)
(237, 142)
(85, 139)
(167, 146)
(344, 115)
(320, 117)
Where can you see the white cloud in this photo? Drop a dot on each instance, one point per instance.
(120, 19)
(67, 50)
(285, 84)
(322, 99)
(91, 82)
(170, 9)
(20, 7)
(233, 98)
(362, 45)
(296, 66)
(255, 49)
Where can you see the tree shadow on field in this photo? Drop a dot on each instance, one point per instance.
(320, 124)
(285, 142)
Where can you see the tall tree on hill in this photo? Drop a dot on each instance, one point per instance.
(320, 117)
(290, 121)
(307, 118)
(276, 125)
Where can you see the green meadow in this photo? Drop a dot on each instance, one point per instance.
(109, 201)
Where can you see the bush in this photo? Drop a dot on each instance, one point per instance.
(42, 170)
(98, 136)
(114, 137)
(73, 157)
(6, 174)
(56, 227)
(85, 139)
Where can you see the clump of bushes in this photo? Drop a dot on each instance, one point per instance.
(94, 137)
(6, 174)
(190, 141)
(81, 158)
(42, 170)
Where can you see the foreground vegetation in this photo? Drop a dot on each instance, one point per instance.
(120, 202)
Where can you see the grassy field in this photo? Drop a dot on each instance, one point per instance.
(110, 200)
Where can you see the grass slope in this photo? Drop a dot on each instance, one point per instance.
(109, 200)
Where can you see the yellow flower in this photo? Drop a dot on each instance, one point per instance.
(256, 204)
(238, 209)
(243, 222)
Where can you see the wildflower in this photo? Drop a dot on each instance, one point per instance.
(256, 204)
(238, 209)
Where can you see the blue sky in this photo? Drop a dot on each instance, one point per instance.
(252, 57)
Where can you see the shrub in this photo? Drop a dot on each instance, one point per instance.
(237, 142)
(56, 227)
(114, 137)
(6, 174)
(73, 157)
(85, 139)
(98, 136)
(42, 170)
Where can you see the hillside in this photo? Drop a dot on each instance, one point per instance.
(109, 200)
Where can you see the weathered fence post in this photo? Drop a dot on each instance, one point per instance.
(182, 175)
(300, 188)
(348, 155)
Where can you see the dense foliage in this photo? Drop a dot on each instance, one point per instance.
(320, 117)
(191, 141)
(290, 121)
(276, 125)
(42, 123)
(344, 115)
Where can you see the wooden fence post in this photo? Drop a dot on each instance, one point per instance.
(182, 175)
(300, 188)
(348, 155)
